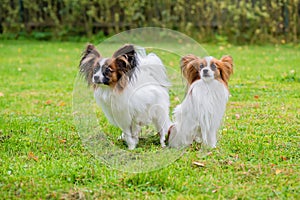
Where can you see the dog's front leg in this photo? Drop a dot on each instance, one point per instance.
(131, 136)
(212, 138)
(162, 123)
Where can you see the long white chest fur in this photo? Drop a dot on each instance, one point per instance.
(200, 114)
(133, 105)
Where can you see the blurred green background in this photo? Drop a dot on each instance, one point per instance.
(232, 21)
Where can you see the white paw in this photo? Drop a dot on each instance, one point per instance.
(198, 139)
(121, 137)
(131, 147)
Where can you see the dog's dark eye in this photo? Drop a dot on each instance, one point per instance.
(201, 66)
(96, 69)
(213, 67)
(107, 71)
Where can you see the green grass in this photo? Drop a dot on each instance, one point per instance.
(42, 156)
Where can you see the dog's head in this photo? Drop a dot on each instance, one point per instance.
(207, 69)
(115, 72)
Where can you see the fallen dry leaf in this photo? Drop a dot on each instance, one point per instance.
(48, 102)
(272, 164)
(237, 116)
(32, 156)
(283, 157)
(256, 96)
(62, 103)
(278, 171)
(62, 141)
(199, 164)
(1, 94)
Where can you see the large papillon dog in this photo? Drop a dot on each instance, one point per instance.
(131, 87)
(200, 114)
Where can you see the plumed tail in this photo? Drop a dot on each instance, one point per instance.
(152, 65)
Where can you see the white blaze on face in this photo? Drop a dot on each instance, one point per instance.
(98, 75)
(206, 72)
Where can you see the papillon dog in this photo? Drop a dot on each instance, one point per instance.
(200, 114)
(131, 87)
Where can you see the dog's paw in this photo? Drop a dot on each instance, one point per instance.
(131, 147)
(121, 137)
(198, 139)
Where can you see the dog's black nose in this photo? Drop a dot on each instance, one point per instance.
(205, 71)
(96, 79)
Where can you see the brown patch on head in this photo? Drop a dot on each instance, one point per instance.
(113, 78)
(108, 71)
(189, 65)
(124, 63)
(117, 79)
(225, 68)
(88, 62)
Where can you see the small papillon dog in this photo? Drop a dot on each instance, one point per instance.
(200, 114)
(131, 87)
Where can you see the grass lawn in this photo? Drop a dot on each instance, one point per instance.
(42, 155)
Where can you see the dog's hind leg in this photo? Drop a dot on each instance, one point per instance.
(162, 124)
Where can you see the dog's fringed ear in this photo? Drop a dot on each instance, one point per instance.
(189, 65)
(226, 68)
(88, 62)
(126, 59)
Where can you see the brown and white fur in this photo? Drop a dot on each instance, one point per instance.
(131, 88)
(200, 114)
